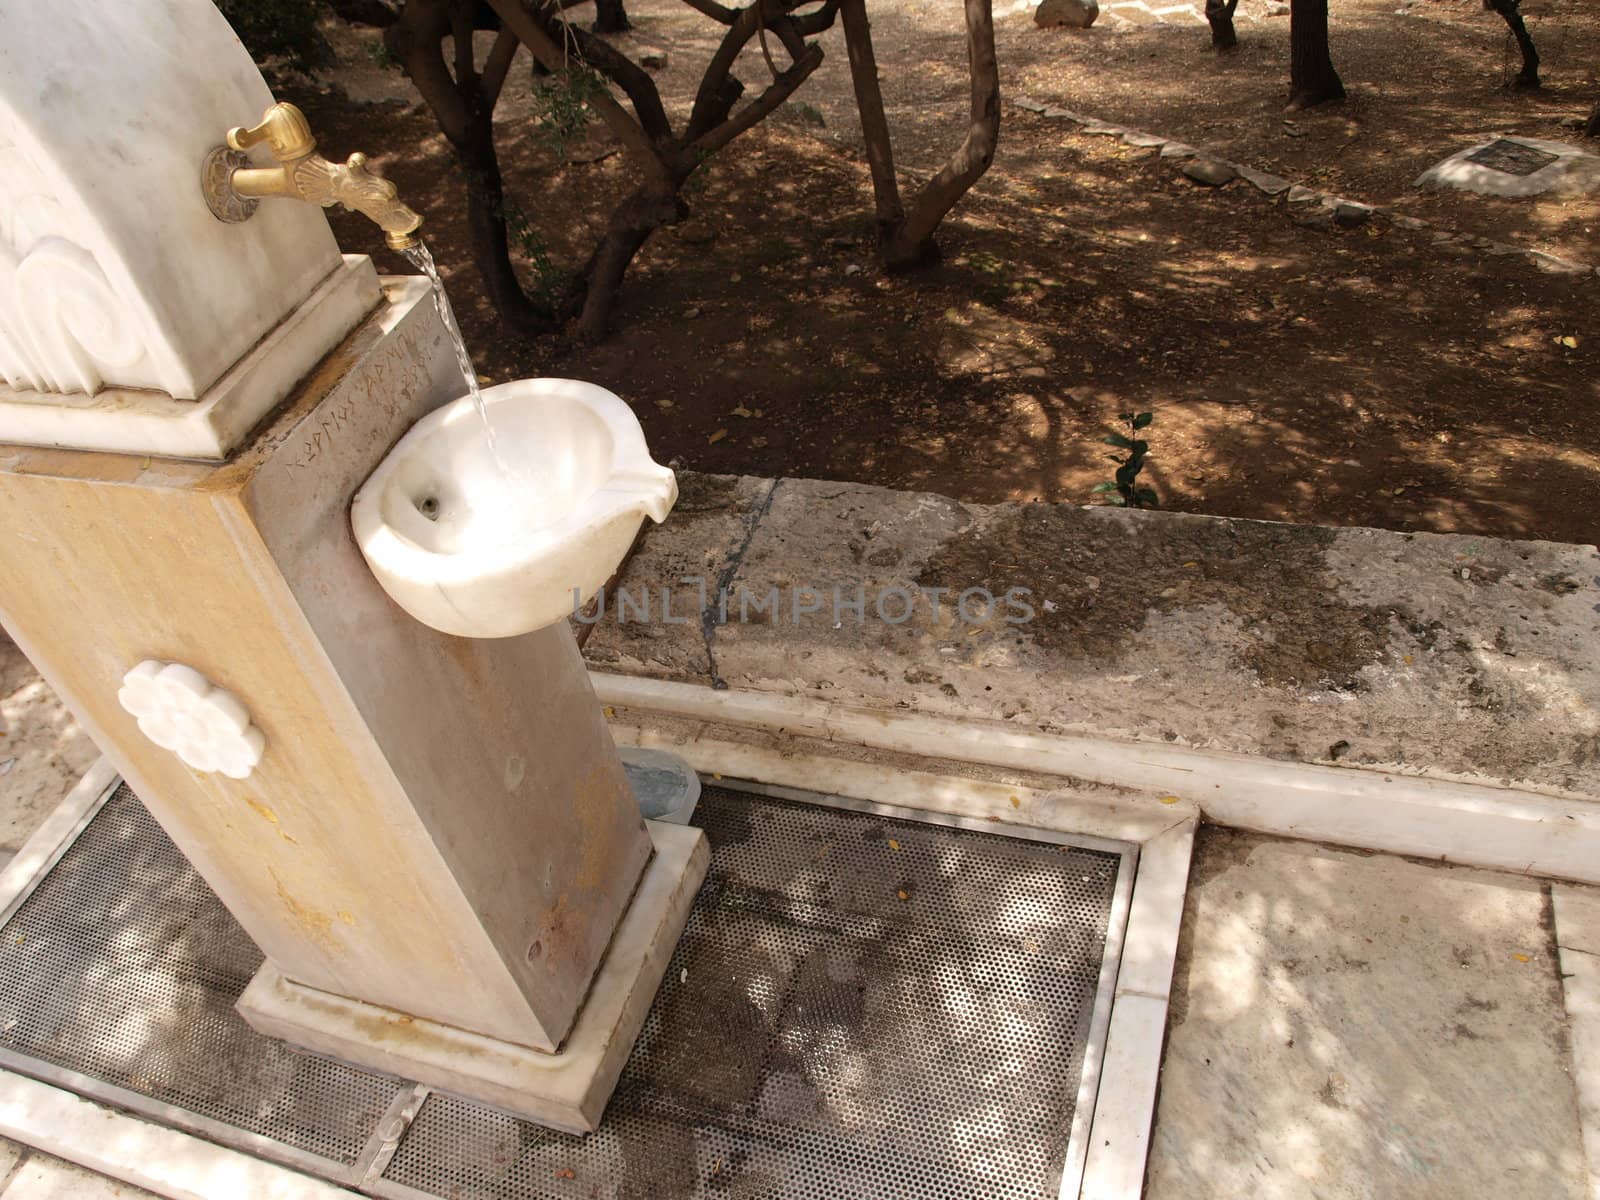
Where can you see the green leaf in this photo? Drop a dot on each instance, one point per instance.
(1127, 416)
(1143, 419)
(1141, 448)
(1107, 486)
(1116, 499)
(1117, 440)
(1126, 475)
(1148, 497)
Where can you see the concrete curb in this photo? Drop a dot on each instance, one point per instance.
(1460, 822)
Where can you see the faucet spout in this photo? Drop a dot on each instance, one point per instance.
(232, 187)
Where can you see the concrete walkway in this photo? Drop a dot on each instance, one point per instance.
(1348, 1025)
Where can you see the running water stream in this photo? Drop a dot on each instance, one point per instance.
(422, 258)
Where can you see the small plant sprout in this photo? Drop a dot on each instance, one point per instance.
(1124, 489)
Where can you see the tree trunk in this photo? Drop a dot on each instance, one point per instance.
(912, 243)
(653, 205)
(1511, 11)
(464, 108)
(1219, 13)
(874, 124)
(610, 17)
(1312, 79)
(1593, 127)
(486, 226)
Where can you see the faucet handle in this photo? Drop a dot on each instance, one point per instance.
(283, 127)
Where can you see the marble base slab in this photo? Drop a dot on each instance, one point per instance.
(135, 421)
(567, 1090)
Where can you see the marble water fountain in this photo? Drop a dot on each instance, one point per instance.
(429, 835)
(309, 591)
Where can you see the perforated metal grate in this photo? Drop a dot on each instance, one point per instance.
(123, 965)
(1512, 158)
(860, 1009)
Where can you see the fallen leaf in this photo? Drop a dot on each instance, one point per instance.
(741, 411)
(1016, 802)
(1567, 340)
(893, 845)
(566, 1173)
(1521, 957)
(716, 437)
(903, 895)
(1169, 799)
(611, 713)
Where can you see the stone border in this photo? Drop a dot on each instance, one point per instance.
(158, 1159)
(1465, 823)
(1340, 210)
(1577, 932)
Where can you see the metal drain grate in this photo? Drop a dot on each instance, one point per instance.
(861, 1008)
(1512, 158)
(122, 965)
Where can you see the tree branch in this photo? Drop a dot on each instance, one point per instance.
(874, 124)
(416, 40)
(912, 241)
(461, 29)
(718, 91)
(498, 64)
(537, 39)
(717, 12)
(780, 90)
(631, 78)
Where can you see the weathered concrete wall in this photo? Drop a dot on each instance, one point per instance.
(1449, 656)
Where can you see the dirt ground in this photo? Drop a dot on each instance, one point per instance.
(1365, 376)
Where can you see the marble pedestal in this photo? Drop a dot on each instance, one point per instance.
(439, 835)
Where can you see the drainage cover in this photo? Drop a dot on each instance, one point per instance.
(861, 1008)
(1512, 158)
(123, 966)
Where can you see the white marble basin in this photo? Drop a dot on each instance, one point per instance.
(477, 551)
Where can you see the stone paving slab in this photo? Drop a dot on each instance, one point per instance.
(1449, 656)
(45, 1178)
(43, 751)
(1356, 1027)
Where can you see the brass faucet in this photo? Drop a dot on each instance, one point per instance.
(233, 187)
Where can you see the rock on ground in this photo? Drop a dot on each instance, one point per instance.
(1210, 172)
(1075, 14)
